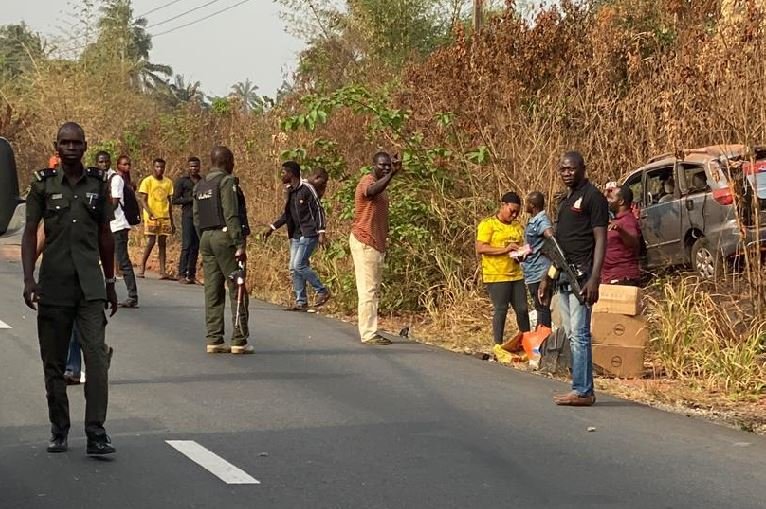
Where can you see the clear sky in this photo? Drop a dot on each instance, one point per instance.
(247, 41)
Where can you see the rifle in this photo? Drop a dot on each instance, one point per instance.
(552, 250)
(238, 276)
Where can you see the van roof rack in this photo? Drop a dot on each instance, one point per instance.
(661, 156)
(713, 150)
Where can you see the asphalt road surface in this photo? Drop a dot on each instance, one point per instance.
(316, 420)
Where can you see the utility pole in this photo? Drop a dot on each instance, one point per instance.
(478, 12)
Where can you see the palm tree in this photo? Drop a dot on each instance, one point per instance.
(186, 92)
(244, 92)
(120, 31)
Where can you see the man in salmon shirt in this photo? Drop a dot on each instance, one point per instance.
(368, 242)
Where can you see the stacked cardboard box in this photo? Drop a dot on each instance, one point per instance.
(620, 333)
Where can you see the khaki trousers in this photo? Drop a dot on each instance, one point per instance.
(368, 269)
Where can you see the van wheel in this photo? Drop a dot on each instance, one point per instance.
(707, 262)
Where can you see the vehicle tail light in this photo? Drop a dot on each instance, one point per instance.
(749, 168)
(723, 195)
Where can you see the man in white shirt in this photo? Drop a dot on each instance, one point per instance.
(120, 226)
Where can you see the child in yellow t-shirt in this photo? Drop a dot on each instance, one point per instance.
(155, 194)
(497, 237)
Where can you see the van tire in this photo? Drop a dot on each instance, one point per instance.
(706, 261)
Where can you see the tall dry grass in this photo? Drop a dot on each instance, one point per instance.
(710, 339)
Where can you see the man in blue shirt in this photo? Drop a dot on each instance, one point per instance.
(536, 265)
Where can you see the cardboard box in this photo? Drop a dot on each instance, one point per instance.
(623, 300)
(619, 330)
(619, 361)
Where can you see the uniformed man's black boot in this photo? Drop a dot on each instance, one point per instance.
(99, 445)
(57, 443)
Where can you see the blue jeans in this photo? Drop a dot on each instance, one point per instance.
(73, 362)
(575, 319)
(300, 267)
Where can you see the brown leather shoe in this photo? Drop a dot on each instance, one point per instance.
(574, 399)
(322, 298)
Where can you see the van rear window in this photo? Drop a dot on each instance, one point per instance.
(756, 176)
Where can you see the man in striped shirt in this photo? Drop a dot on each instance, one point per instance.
(368, 242)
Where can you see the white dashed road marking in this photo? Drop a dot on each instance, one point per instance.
(4, 325)
(211, 462)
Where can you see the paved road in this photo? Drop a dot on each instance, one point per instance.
(324, 422)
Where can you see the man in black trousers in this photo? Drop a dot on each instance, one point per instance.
(183, 195)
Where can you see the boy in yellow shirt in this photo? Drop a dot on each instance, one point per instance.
(497, 237)
(156, 194)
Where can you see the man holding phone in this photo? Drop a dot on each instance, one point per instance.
(368, 242)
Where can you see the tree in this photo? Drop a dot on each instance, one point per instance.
(187, 92)
(124, 37)
(19, 49)
(367, 37)
(245, 94)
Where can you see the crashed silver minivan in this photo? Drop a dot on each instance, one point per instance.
(701, 207)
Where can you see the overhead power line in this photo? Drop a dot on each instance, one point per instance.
(166, 21)
(158, 8)
(81, 46)
(216, 13)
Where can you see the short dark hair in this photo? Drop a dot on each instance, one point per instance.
(293, 168)
(575, 157)
(537, 199)
(123, 156)
(159, 160)
(321, 171)
(378, 154)
(103, 153)
(626, 193)
(70, 125)
(511, 197)
(194, 159)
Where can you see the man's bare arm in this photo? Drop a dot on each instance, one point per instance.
(379, 186)
(142, 199)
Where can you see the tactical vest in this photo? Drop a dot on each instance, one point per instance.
(209, 208)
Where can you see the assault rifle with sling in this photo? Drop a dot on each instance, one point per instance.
(552, 250)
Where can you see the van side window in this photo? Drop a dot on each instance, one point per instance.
(637, 186)
(660, 186)
(695, 179)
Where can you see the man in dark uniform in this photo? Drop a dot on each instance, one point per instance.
(73, 201)
(217, 216)
(183, 191)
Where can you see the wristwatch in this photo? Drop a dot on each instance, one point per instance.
(110, 280)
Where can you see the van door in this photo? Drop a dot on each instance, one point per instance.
(702, 216)
(661, 218)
